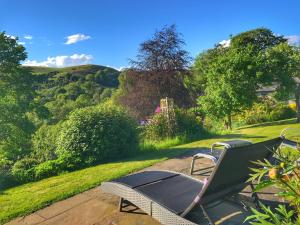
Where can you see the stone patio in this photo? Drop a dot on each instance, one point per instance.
(94, 207)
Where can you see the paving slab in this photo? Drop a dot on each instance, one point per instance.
(63, 206)
(94, 207)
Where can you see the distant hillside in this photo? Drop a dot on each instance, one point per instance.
(63, 89)
(110, 75)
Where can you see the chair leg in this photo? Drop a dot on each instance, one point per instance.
(206, 215)
(121, 204)
(192, 166)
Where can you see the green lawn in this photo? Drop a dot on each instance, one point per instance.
(30, 197)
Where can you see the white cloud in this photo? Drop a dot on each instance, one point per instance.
(62, 61)
(72, 39)
(117, 68)
(121, 68)
(10, 36)
(28, 37)
(21, 43)
(293, 39)
(225, 43)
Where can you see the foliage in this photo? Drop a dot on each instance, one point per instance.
(95, 134)
(157, 128)
(227, 79)
(163, 52)
(16, 96)
(260, 38)
(159, 72)
(266, 110)
(62, 90)
(44, 142)
(6, 178)
(286, 61)
(186, 125)
(196, 82)
(23, 169)
(52, 167)
(280, 216)
(285, 176)
(226, 72)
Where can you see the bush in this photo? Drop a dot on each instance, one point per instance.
(44, 142)
(52, 168)
(186, 125)
(157, 128)
(23, 169)
(266, 110)
(6, 178)
(281, 112)
(96, 134)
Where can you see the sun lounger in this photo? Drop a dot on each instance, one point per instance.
(214, 154)
(169, 197)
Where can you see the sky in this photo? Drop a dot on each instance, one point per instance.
(58, 33)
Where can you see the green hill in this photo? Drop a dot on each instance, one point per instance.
(63, 89)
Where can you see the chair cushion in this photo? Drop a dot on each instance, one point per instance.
(174, 193)
(143, 178)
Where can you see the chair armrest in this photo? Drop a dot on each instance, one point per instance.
(229, 144)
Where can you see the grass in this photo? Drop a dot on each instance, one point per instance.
(30, 197)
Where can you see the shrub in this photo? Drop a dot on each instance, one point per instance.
(266, 110)
(6, 178)
(97, 133)
(44, 142)
(23, 169)
(157, 128)
(186, 125)
(281, 112)
(52, 168)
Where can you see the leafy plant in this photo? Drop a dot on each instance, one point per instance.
(286, 176)
(23, 170)
(45, 142)
(265, 110)
(187, 125)
(95, 134)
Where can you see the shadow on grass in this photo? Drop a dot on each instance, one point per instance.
(280, 122)
(164, 153)
(239, 136)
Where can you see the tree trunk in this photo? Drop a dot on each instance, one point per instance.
(297, 96)
(229, 122)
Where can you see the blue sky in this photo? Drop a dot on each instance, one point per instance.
(108, 32)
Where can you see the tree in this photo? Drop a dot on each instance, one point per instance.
(284, 62)
(231, 75)
(196, 82)
(261, 39)
(158, 72)
(16, 100)
(163, 52)
(229, 89)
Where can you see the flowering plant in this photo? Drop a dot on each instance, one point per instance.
(285, 175)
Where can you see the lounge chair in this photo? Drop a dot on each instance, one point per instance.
(287, 142)
(214, 154)
(169, 197)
